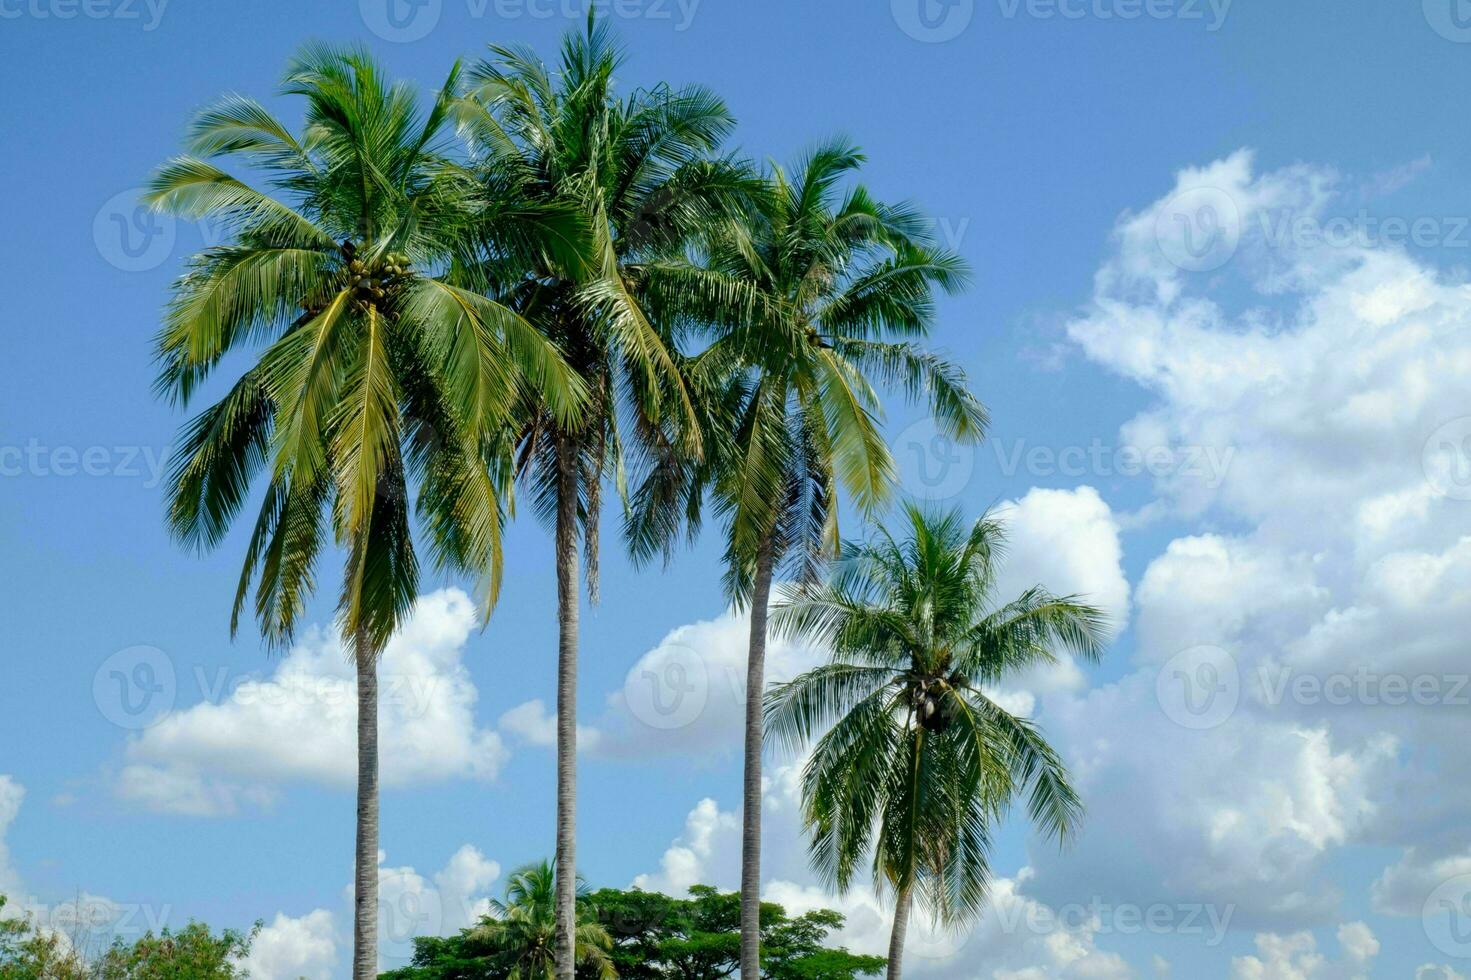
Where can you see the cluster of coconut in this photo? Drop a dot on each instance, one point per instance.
(372, 284)
(934, 710)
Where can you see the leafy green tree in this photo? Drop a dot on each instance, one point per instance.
(640, 936)
(28, 952)
(517, 940)
(815, 295)
(657, 937)
(915, 763)
(374, 367)
(523, 929)
(637, 170)
(192, 953)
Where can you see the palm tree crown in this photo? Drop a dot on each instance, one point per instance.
(813, 295)
(521, 929)
(916, 761)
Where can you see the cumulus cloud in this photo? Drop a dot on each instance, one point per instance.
(12, 795)
(411, 905)
(1335, 547)
(297, 724)
(1296, 957)
(535, 724)
(687, 695)
(292, 948)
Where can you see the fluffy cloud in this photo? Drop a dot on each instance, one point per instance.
(298, 724)
(1335, 550)
(12, 794)
(687, 695)
(288, 949)
(1066, 541)
(410, 905)
(533, 723)
(691, 859)
(1296, 957)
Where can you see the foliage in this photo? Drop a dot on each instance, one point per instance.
(375, 361)
(811, 296)
(916, 763)
(29, 952)
(651, 936)
(516, 940)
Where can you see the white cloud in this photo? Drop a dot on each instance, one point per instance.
(533, 723)
(288, 948)
(1336, 541)
(298, 724)
(1066, 541)
(687, 695)
(411, 905)
(1296, 957)
(1404, 886)
(12, 795)
(689, 859)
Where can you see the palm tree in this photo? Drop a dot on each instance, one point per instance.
(811, 295)
(638, 170)
(917, 761)
(522, 929)
(372, 368)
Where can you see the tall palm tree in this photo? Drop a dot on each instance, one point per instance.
(372, 368)
(916, 761)
(639, 172)
(522, 929)
(813, 296)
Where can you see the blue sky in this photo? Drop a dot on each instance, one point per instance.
(1299, 381)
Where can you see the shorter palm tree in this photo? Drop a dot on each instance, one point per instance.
(917, 763)
(522, 929)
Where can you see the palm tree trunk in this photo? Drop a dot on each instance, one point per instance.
(751, 802)
(901, 926)
(365, 895)
(567, 609)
